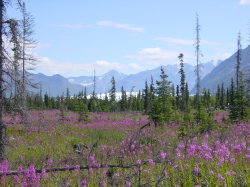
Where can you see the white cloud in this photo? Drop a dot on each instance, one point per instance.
(70, 26)
(155, 56)
(245, 2)
(120, 26)
(135, 66)
(184, 41)
(49, 66)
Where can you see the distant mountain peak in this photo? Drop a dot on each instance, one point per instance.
(113, 72)
(57, 84)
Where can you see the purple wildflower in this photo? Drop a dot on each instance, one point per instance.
(196, 170)
(84, 183)
(138, 162)
(220, 177)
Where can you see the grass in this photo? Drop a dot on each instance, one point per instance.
(110, 139)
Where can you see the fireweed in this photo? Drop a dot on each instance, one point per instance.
(154, 156)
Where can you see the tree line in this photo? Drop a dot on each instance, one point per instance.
(160, 99)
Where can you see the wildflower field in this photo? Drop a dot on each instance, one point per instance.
(122, 149)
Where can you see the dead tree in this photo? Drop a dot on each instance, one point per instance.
(10, 61)
(2, 125)
(27, 59)
(238, 62)
(198, 56)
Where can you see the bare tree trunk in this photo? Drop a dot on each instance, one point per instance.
(238, 63)
(27, 31)
(2, 126)
(198, 54)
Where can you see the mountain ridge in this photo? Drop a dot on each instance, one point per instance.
(225, 71)
(57, 84)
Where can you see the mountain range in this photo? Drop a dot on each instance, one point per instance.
(225, 71)
(212, 74)
(56, 85)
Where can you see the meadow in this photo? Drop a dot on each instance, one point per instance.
(122, 149)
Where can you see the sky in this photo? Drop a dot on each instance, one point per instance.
(75, 37)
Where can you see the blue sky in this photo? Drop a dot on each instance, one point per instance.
(76, 37)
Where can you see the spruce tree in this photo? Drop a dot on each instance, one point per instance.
(187, 93)
(146, 98)
(222, 97)
(208, 98)
(85, 96)
(47, 101)
(106, 104)
(238, 110)
(241, 100)
(82, 111)
(178, 97)
(152, 89)
(92, 105)
(227, 98)
(218, 97)
(162, 109)
(233, 107)
(139, 104)
(182, 83)
(67, 98)
(123, 101)
(112, 95)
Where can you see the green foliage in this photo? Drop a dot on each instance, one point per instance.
(112, 95)
(183, 84)
(147, 103)
(188, 116)
(162, 109)
(124, 100)
(63, 116)
(238, 104)
(83, 113)
(202, 116)
(161, 112)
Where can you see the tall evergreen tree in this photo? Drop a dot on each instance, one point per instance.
(152, 89)
(182, 83)
(233, 107)
(187, 93)
(112, 95)
(85, 96)
(227, 97)
(218, 97)
(178, 97)
(92, 105)
(239, 103)
(240, 99)
(139, 104)
(146, 98)
(47, 101)
(162, 110)
(123, 101)
(222, 97)
(67, 98)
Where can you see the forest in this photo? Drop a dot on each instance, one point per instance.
(159, 136)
